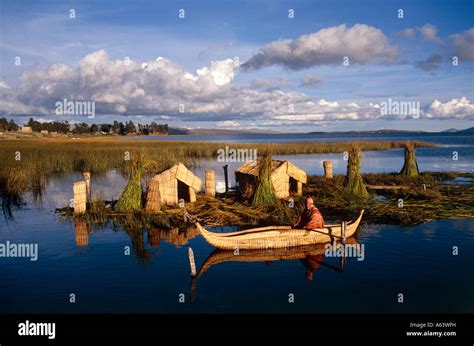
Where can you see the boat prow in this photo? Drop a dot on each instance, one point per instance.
(273, 237)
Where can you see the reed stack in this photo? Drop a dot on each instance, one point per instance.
(131, 198)
(353, 182)
(410, 167)
(264, 193)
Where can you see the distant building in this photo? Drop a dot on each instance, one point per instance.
(44, 132)
(26, 129)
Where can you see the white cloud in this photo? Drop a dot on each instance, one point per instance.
(429, 33)
(228, 123)
(222, 72)
(461, 108)
(160, 87)
(406, 33)
(361, 43)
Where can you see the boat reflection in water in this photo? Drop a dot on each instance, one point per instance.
(311, 256)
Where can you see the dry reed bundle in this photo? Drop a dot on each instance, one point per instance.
(264, 193)
(410, 168)
(131, 198)
(353, 182)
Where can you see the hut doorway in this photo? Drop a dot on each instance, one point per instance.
(183, 191)
(293, 186)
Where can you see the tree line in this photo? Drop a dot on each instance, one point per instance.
(116, 127)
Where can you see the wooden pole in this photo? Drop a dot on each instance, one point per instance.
(327, 169)
(192, 264)
(343, 231)
(343, 237)
(80, 197)
(87, 179)
(226, 178)
(210, 183)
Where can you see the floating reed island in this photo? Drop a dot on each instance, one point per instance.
(394, 198)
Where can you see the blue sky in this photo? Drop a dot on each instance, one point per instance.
(42, 34)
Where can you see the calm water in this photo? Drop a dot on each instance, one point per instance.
(416, 261)
(440, 158)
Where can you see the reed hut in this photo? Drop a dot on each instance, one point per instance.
(286, 178)
(177, 183)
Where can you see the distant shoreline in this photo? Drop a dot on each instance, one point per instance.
(18, 135)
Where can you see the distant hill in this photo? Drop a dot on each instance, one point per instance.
(469, 130)
(216, 132)
(373, 131)
(177, 131)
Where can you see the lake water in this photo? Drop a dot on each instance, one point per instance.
(454, 153)
(417, 261)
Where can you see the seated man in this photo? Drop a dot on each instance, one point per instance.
(310, 217)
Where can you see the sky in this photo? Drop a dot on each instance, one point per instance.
(286, 66)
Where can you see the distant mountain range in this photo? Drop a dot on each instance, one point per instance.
(372, 131)
(469, 130)
(216, 132)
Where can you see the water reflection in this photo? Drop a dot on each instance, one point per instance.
(176, 236)
(10, 203)
(82, 232)
(143, 252)
(311, 257)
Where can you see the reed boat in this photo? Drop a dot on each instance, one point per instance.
(273, 237)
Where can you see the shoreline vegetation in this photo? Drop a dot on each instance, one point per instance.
(28, 165)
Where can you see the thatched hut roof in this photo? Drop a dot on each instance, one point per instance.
(181, 173)
(278, 167)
